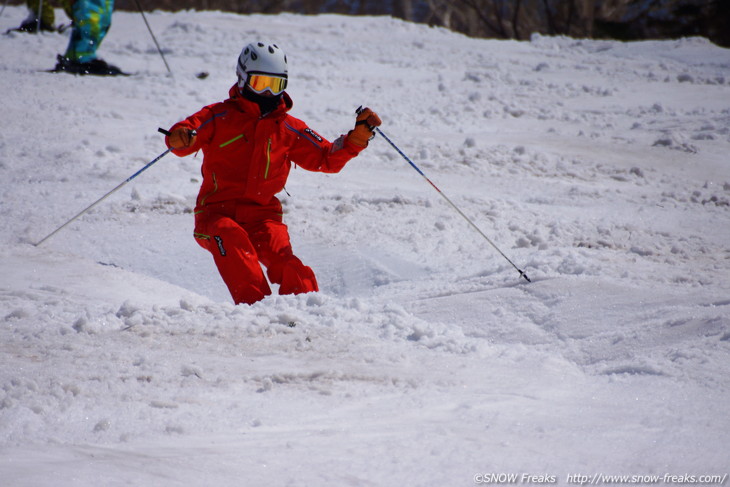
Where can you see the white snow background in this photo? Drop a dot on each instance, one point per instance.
(601, 168)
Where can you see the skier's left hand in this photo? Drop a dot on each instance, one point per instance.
(366, 122)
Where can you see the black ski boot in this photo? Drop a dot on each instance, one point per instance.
(97, 67)
(31, 26)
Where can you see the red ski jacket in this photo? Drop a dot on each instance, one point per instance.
(247, 157)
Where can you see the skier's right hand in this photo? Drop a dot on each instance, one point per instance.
(181, 138)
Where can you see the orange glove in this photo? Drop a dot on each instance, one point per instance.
(181, 138)
(366, 122)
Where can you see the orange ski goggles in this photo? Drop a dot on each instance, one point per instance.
(266, 82)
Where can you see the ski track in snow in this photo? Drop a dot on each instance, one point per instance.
(599, 167)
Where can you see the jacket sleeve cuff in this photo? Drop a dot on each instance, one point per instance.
(352, 147)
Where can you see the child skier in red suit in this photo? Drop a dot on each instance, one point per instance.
(249, 142)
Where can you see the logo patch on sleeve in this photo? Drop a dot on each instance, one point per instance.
(313, 134)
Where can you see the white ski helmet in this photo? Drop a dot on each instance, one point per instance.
(260, 58)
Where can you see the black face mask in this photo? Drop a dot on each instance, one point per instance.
(267, 104)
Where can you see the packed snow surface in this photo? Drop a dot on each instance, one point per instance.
(600, 168)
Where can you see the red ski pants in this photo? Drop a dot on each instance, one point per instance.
(241, 237)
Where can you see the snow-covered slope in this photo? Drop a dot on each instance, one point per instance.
(601, 168)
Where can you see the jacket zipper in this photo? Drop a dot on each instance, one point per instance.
(215, 190)
(229, 142)
(268, 159)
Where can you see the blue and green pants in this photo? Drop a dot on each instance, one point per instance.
(92, 19)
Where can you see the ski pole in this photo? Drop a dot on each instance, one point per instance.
(117, 188)
(448, 200)
(153, 37)
(40, 16)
